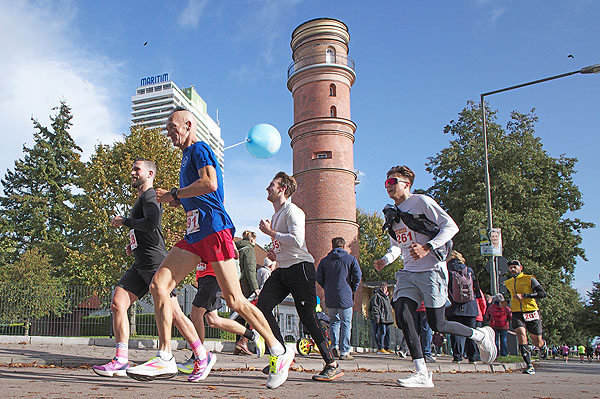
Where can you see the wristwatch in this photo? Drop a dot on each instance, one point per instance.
(429, 246)
(174, 191)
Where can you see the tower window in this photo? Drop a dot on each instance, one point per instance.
(321, 155)
(333, 111)
(330, 55)
(332, 90)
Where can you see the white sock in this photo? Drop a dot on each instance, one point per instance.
(256, 335)
(166, 356)
(420, 366)
(277, 350)
(477, 335)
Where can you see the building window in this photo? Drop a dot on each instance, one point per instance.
(332, 90)
(321, 155)
(333, 111)
(157, 88)
(167, 86)
(149, 90)
(141, 91)
(330, 55)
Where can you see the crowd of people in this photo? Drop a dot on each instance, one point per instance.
(434, 295)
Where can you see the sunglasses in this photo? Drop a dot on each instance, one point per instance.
(392, 181)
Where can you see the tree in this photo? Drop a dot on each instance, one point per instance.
(29, 291)
(592, 310)
(38, 193)
(97, 256)
(531, 194)
(373, 244)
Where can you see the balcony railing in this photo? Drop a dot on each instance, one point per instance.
(320, 59)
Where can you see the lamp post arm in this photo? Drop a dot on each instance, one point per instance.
(562, 75)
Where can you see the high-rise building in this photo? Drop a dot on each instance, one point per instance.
(157, 97)
(320, 78)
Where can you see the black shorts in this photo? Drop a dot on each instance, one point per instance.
(533, 326)
(209, 294)
(137, 280)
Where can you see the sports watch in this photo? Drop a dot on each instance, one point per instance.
(174, 191)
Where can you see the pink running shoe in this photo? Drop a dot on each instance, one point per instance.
(202, 367)
(111, 369)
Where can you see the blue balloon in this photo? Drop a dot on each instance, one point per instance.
(263, 141)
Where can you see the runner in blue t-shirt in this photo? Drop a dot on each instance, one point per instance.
(209, 238)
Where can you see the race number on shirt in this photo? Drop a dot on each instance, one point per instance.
(132, 240)
(405, 237)
(531, 316)
(192, 221)
(276, 246)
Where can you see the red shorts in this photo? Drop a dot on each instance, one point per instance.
(213, 248)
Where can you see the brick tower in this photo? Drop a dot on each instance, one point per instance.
(322, 137)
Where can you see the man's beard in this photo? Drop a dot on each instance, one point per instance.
(137, 182)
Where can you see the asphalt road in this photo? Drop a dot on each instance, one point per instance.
(554, 379)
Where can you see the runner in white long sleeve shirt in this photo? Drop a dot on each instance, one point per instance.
(424, 277)
(295, 273)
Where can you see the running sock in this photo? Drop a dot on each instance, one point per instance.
(477, 335)
(277, 350)
(249, 334)
(164, 355)
(255, 335)
(526, 355)
(198, 349)
(122, 352)
(420, 365)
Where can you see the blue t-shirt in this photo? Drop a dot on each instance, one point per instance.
(211, 216)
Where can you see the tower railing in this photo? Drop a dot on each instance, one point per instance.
(324, 59)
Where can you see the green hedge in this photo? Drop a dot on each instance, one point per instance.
(146, 326)
(12, 329)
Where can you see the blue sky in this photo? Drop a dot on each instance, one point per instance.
(417, 65)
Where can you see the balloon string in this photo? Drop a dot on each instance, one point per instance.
(235, 145)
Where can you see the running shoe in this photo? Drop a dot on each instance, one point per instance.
(544, 351)
(529, 370)
(329, 373)
(259, 342)
(202, 367)
(278, 368)
(266, 369)
(487, 346)
(417, 380)
(154, 369)
(186, 367)
(112, 369)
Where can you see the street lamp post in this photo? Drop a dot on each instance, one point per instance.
(488, 195)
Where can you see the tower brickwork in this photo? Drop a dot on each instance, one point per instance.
(322, 137)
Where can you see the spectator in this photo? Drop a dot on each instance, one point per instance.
(264, 272)
(380, 313)
(499, 315)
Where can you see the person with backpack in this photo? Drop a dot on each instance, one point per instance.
(499, 316)
(463, 291)
(421, 233)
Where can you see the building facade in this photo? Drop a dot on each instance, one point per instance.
(157, 97)
(322, 137)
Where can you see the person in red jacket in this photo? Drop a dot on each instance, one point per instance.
(499, 315)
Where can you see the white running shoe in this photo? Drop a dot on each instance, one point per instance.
(278, 368)
(487, 346)
(417, 380)
(154, 369)
(260, 344)
(188, 366)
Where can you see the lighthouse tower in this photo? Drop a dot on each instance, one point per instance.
(322, 137)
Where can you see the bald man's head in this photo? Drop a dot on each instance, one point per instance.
(181, 128)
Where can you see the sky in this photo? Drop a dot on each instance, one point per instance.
(417, 65)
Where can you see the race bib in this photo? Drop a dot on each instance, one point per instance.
(276, 246)
(201, 267)
(405, 237)
(531, 316)
(192, 221)
(132, 240)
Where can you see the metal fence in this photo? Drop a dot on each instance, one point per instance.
(80, 311)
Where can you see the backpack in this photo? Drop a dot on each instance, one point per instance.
(461, 286)
(419, 223)
(498, 315)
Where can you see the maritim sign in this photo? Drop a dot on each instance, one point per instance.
(150, 80)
